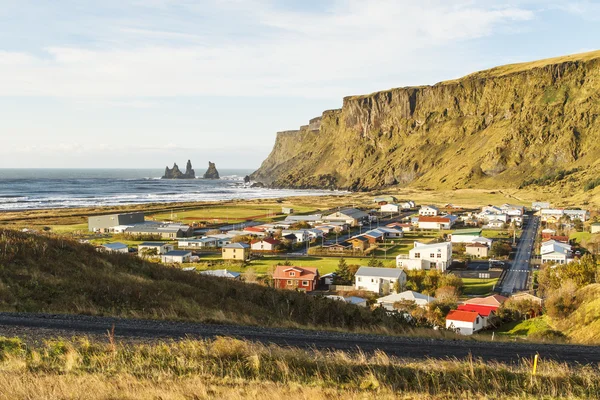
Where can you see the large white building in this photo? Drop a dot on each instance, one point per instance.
(465, 235)
(443, 222)
(427, 256)
(429, 211)
(378, 280)
(554, 214)
(556, 252)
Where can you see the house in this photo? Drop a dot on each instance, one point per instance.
(359, 243)
(314, 233)
(561, 239)
(407, 205)
(296, 278)
(374, 236)
(483, 240)
(290, 237)
(494, 301)
(445, 222)
(595, 227)
(397, 225)
(547, 233)
(538, 205)
(391, 233)
(205, 242)
(266, 244)
(351, 216)
(554, 215)
(477, 249)
(523, 296)
(165, 231)
(359, 301)
(554, 252)
(223, 239)
(378, 280)
(222, 273)
(426, 256)
(115, 247)
(309, 219)
(512, 210)
(287, 210)
(484, 311)
(107, 223)
(465, 235)
(302, 235)
(429, 211)
(176, 256)
(496, 224)
(254, 231)
(464, 322)
(154, 248)
(236, 251)
(390, 207)
(421, 300)
(339, 247)
(327, 279)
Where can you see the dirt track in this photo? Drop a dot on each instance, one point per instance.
(35, 327)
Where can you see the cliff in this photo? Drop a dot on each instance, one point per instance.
(211, 172)
(511, 126)
(175, 173)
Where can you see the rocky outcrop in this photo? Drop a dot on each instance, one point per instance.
(175, 173)
(496, 128)
(211, 172)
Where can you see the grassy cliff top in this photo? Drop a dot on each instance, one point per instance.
(499, 71)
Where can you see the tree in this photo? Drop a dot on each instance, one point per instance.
(500, 249)
(447, 294)
(578, 225)
(563, 301)
(343, 275)
(373, 262)
(405, 306)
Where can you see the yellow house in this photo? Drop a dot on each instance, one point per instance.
(236, 251)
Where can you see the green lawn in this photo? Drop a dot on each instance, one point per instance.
(232, 214)
(525, 328)
(497, 233)
(479, 287)
(580, 236)
(68, 228)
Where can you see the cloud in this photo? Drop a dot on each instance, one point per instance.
(249, 48)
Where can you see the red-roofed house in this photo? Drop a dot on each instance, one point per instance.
(266, 244)
(254, 230)
(445, 222)
(491, 301)
(562, 239)
(296, 278)
(485, 311)
(464, 322)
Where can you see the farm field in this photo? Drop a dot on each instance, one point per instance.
(479, 287)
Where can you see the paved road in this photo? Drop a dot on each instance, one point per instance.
(36, 327)
(517, 275)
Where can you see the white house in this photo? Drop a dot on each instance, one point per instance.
(464, 322)
(390, 233)
(427, 256)
(302, 235)
(553, 214)
(406, 205)
(378, 280)
(158, 248)
(429, 211)
(556, 252)
(176, 256)
(538, 205)
(465, 235)
(483, 240)
(205, 242)
(266, 244)
(420, 299)
(443, 222)
(223, 239)
(512, 210)
(496, 223)
(116, 247)
(390, 207)
(351, 216)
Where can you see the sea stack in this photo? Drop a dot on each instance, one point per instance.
(175, 173)
(211, 172)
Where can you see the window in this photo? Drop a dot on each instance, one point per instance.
(432, 255)
(439, 256)
(304, 283)
(359, 279)
(234, 256)
(417, 255)
(289, 282)
(477, 320)
(292, 273)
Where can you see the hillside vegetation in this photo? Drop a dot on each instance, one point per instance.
(40, 273)
(521, 125)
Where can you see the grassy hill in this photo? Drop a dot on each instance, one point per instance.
(40, 273)
(523, 125)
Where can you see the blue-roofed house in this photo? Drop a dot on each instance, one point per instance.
(176, 256)
(115, 247)
(222, 273)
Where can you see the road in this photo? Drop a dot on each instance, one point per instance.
(36, 327)
(517, 275)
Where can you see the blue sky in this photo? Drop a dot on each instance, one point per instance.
(144, 83)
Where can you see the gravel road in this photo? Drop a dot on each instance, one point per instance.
(35, 327)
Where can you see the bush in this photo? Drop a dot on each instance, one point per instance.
(562, 302)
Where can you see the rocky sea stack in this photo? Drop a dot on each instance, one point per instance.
(211, 172)
(175, 173)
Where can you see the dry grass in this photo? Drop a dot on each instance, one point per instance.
(230, 368)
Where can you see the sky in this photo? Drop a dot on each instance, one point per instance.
(145, 83)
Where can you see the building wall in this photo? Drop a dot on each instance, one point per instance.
(236, 254)
(463, 238)
(477, 251)
(376, 284)
(104, 222)
(465, 328)
(262, 246)
(295, 283)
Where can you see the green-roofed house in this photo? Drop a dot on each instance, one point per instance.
(465, 235)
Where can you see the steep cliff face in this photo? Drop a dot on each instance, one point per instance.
(497, 128)
(211, 172)
(175, 172)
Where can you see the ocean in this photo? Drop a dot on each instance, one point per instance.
(23, 189)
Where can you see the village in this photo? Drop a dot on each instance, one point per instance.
(442, 266)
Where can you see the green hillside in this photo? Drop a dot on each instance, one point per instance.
(522, 125)
(40, 273)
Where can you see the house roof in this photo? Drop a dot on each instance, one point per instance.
(360, 238)
(153, 244)
(476, 244)
(254, 229)
(463, 316)
(236, 246)
(494, 300)
(410, 295)
(267, 240)
(115, 246)
(380, 272)
(481, 239)
(221, 273)
(430, 246)
(442, 220)
(201, 240)
(178, 253)
(484, 311)
(430, 206)
(289, 236)
(305, 273)
(374, 233)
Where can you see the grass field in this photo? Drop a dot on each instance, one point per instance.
(528, 327)
(479, 287)
(233, 369)
(580, 236)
